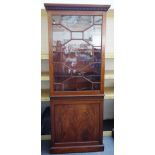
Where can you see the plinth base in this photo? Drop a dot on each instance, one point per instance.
(76, 149)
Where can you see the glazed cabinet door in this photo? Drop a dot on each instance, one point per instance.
(77, 52)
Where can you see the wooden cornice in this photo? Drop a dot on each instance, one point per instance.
(76, 7)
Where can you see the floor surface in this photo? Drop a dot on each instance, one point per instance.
(108, 148)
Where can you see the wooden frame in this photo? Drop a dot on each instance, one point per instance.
(50, 14)
(76, 116)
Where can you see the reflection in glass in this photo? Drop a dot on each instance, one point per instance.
(76, 35)
(93, 35)
(76, 46)
(74, 59)
(56, 19)
(60, 78)
(76, 62)
(61, 72)
(77, 84)
(93, 78)
(57, 56)
(97, 56)
(76, 66)
(61, 69)
(97, 19)
(60, 35)
(97, 49)
(77, 54)
(96, 86)
(58, 87)
(94, 68)
(77, 23)
(92, 72)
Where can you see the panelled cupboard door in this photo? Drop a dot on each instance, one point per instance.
(76, 64)
(77, 122)
(83, 117)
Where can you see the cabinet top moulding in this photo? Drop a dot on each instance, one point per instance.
(76, 7)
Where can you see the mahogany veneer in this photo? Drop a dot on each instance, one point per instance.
(76, 63)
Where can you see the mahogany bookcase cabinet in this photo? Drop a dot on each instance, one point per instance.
(76, 36)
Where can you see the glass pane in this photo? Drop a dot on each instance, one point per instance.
(61, 78)
(97, 19)
(61, 69)
(77, 23)
(93, 35)
(77, 84)
(76, 61)
(77, 54)
(97, 49)
(76, 65)
(76, 35)
(94, 68)
(54, 48)
(97, 57)
(85, 55)
(61, 72)
(60, 35)
(58, 87)
(93, 78)
(58, 48)
(93, 72)
(56, 19)
(76, 46)
(96, 86)
(57, 56)
(97, 54)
